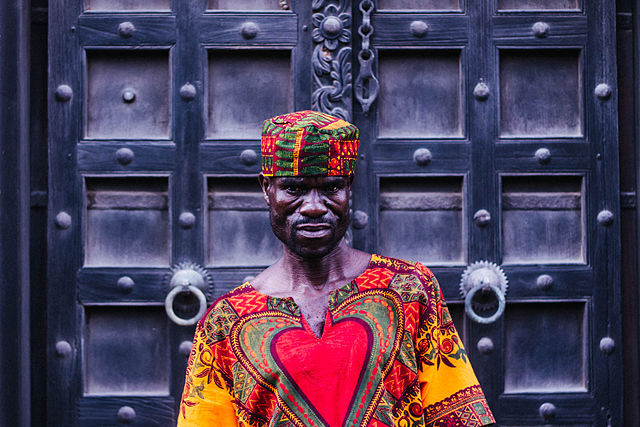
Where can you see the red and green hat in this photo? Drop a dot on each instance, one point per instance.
(308, 143)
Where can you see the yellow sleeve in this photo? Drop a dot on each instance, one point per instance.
(449, 388)
(207, 398)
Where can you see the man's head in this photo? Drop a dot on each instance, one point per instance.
(308, 163)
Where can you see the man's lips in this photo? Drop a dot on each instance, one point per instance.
(314, 231)
(313, 227)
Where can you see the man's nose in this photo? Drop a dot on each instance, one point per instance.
(313, 206)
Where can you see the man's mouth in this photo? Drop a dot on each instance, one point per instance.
(314, 231)
(313, 227)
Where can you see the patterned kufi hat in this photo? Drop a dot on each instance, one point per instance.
(308, 143)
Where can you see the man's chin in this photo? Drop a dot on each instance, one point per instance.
(312, 253)
(313, 249)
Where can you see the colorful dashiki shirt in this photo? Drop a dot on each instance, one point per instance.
(389, 355)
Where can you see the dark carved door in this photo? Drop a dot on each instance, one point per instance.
(488, 153)
(155, 105)
(490, 134)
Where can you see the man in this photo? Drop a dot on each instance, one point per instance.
(328, 335)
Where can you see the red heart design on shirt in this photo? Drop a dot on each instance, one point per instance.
(327, 372)
(332, 381)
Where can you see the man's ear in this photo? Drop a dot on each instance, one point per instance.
(265, 184)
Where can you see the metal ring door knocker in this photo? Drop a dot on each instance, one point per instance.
(486, 277)
(187, 278)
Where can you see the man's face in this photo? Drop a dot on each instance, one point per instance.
(309, 215)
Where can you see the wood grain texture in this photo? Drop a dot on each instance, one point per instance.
(395, 29)
(15, 325)
(99, 285)
(148, 157)
(102, 30)
(103, 411)
(278, 28)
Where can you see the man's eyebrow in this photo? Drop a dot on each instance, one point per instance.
(291, 181)
(334, 179)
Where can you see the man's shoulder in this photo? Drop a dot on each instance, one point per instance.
(226, 306)
(411, 280)
(401, 266)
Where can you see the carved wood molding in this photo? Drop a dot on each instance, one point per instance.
(331, 58)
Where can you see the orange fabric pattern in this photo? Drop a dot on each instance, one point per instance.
(389, 355)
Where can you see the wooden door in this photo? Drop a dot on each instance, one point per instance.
(488, 144)
(492, 154)
(155, 105)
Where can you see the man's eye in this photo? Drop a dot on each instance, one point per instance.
(294, 189)
(333, 188)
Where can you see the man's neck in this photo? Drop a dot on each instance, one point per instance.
(310, 280)
(301, 277)
(316, 273)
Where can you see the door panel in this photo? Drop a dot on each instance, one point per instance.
(529, 5)
(430, 5)
(413, 210)
(127, 222)
(542, 220)
(529, 366)
(128, 94)
(246, 5)
(540, 93)
(155, 105)
(235, 78)
(504, 95)
(239, 232)
(128, 5)
(435, 75)
(126, 351)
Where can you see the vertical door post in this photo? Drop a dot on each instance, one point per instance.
(14, 223)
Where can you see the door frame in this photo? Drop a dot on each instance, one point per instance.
(15, 297)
